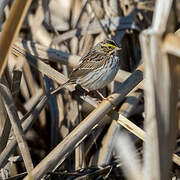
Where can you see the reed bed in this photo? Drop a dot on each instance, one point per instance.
(72, 133)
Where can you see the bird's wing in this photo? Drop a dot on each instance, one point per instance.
(88, 63)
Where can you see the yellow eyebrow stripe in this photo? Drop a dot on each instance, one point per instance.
(109, 45)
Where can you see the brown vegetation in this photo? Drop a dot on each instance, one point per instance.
(73, 134)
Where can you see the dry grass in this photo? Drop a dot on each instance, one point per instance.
(70, 134)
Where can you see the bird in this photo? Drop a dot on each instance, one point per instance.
(97, 68)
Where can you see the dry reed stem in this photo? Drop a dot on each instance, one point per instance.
(54, 112)
(160, 75)
(31, 83)
(151, 153)
(126, 108)
(80, 161)
(93, 138)
(171, 44)
(126, 123)
(22, 47)
(16, 80)
(47, 70)
(5, 125)
(81, 13)
(11, 29)
(16, 125)
(105, 152)
(137, 131)
(24, 89)
(5, 131)
(28, 121)
(33, 100)
(116, 23)
(41, 35)
(80, 157)
(98, 14)
(130, 104)
(3, 3)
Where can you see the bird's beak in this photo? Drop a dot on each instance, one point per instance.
(117, 48)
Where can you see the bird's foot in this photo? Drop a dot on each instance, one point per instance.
(105, 98)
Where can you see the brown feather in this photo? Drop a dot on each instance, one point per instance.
(90, 62)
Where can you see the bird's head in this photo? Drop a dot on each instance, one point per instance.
(107, 46)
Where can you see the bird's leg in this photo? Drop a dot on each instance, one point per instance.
(105, 98)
